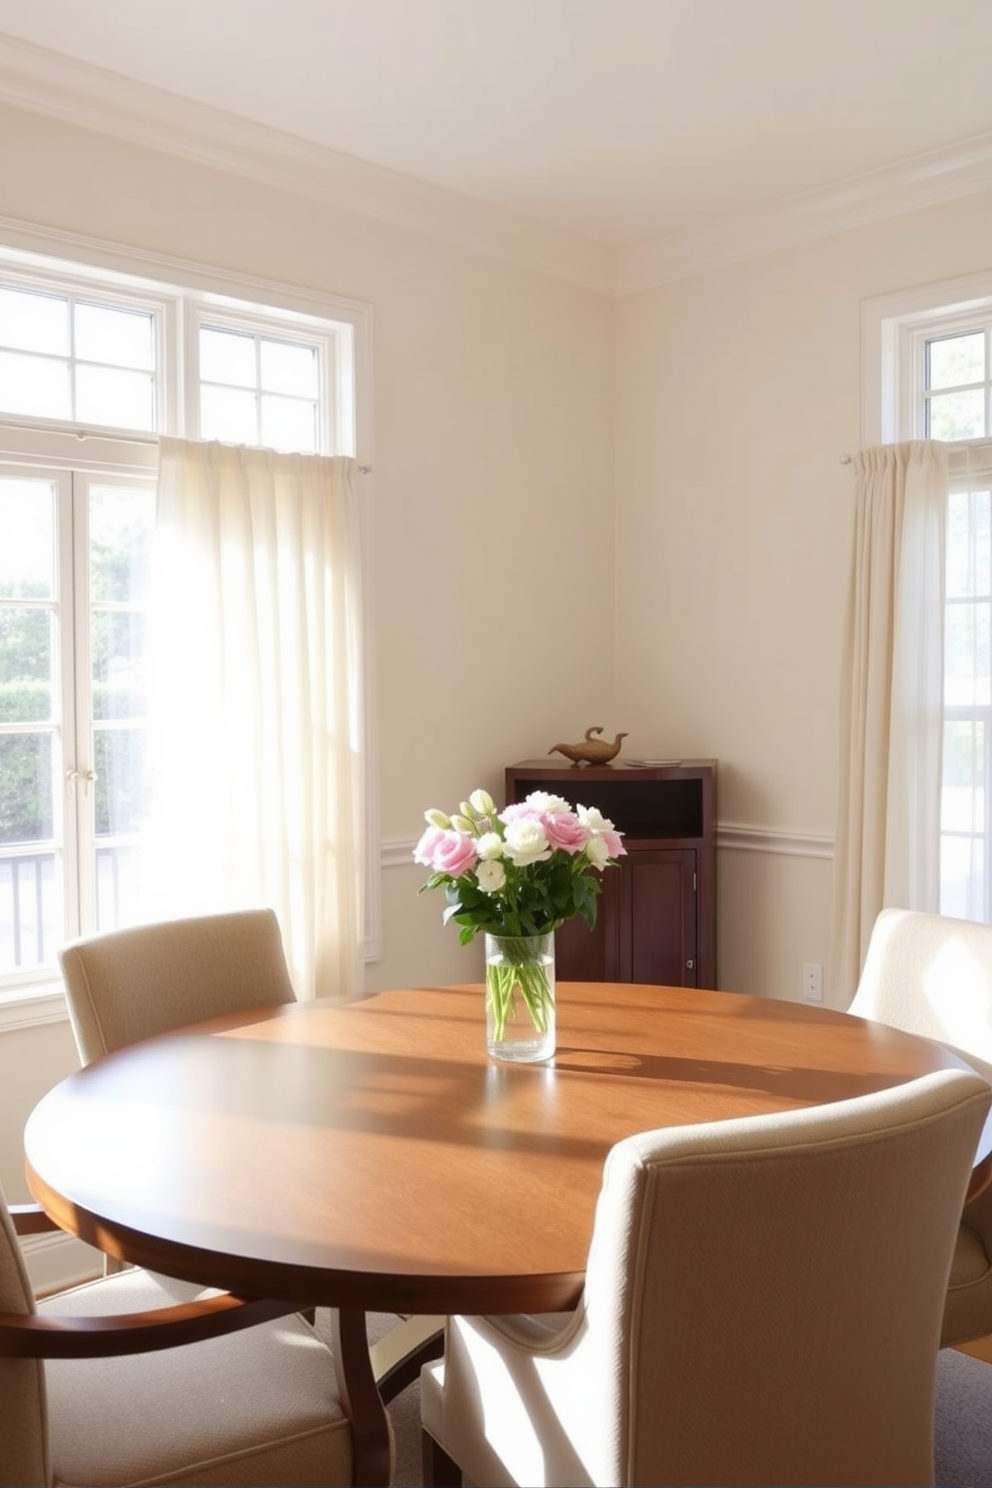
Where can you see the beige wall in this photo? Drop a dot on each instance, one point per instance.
(738, 392)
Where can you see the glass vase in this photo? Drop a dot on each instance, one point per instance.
(520, 997)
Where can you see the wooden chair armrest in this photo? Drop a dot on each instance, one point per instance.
(31, 1219)
(30, 1336)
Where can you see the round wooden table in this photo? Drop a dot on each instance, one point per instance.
(369, 1156)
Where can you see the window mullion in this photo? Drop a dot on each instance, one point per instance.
(79, 774)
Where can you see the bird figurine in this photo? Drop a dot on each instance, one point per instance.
(591, 751)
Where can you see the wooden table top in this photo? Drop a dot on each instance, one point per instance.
(370, 1154)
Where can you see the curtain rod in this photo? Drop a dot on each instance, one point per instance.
(954, 446)
(116, 436)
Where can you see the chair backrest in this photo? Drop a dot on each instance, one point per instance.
(763, 1296)
(931, 975)
(131, 984)
(24, 1454)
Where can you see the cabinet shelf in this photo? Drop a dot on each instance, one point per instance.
(656, 917)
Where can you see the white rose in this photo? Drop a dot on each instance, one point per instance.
(594, 819)
(597, 851)
(489, 845)
(526, 843)
(491, 875)
(553, 805)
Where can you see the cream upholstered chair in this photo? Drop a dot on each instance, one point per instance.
(126, 985)
(762, 1305)
(931, 975)
(88, 1396)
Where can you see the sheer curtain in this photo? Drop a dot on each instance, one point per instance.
(256, 722)
(887, 849)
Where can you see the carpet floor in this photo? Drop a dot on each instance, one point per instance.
(962, 1434)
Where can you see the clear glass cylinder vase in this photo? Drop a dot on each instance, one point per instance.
(520, 997)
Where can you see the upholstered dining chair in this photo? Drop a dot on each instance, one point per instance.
(126, 985)
(135, 1380)
(762, 1305)
(931, 975)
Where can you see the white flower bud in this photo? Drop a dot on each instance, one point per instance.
(437, 819)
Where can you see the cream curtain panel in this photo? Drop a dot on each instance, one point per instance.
(887, 849)
(256, 737)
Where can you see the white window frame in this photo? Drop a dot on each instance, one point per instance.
(891, 327)
(894, 328)
(183, 294)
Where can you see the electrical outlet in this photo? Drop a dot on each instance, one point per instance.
(812, 981)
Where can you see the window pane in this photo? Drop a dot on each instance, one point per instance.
(117, 877)
(118, 642)
(966, 655)
(34, 385)
(122, 338)
(26, 813)
(105, 395)
(28, 911)
(121, 781)
(288, 424)
(34, 322)
(964, 775)
(27, 538)
(26, 665)
(121, 522)
(957, 415)
(289, 368)
(956, 360)
(228, 414)
(228, 356)
(969, 552)
(962, 877)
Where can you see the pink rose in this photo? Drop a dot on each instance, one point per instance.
(451, 852)
(424, 850)
(563, 829)
(519, 811)
(614, 844)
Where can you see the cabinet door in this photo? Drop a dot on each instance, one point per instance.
(658, 937)
(584, 955)
(645, 926)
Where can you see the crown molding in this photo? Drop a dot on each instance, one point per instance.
(910, 185)
(43, 82)
(94, 98)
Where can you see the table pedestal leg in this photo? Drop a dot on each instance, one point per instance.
(360, 1397)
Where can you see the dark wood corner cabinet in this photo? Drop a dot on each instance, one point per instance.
(656, 919)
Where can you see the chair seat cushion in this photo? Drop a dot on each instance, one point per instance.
(259, 1406)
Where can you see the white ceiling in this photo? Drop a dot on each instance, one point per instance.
(619, 124)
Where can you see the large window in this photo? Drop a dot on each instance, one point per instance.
(93, 365)
(935, 379)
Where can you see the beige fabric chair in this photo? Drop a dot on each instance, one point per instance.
(258, 1406)
(932, 975)
(762, 1305)
(127, 985)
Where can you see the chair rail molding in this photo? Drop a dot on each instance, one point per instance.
(735, 836)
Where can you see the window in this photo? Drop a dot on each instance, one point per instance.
(935, 381)
(94, 363)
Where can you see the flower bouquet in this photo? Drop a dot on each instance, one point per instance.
(517, 874)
